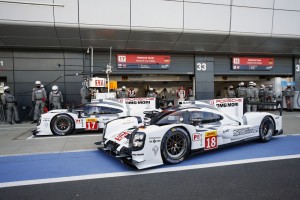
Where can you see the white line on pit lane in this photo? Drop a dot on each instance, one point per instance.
(151, 171)
(42, 137)
(51, 152)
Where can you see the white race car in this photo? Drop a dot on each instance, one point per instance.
(90, 118)
(175, 133)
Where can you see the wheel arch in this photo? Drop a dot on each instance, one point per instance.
(272, 118)
(64, 114)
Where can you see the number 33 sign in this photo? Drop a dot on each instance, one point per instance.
(211, 141)
(91, 124)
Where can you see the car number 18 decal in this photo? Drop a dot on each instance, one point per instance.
(211, 141)
(91, 124)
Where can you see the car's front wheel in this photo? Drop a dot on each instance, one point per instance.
(266, 129)
(175, 145)
(62, 124)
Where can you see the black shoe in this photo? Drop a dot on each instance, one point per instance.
(34, 122)
(18, 122)
(10, 122)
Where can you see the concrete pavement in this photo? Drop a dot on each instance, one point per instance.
(17, 139)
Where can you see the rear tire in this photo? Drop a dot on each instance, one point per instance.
(175, 146)
(62, 124)
(266, 129)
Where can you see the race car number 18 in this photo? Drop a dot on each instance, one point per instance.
(91, 124)
(211, 141)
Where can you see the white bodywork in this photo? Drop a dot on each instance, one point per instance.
(203, 137)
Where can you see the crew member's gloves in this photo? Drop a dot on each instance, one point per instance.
(4, 106)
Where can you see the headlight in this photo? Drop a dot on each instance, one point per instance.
(138, 140)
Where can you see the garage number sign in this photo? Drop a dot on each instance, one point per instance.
(134, 61)
(252, 64)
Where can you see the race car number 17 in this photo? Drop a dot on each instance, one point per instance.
(211, 141)
(91, 124)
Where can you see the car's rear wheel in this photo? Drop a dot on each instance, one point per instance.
(175, 146)
(266, 129)
(62, 124)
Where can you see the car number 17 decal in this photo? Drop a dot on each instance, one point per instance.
(91, 124)
(211, 140)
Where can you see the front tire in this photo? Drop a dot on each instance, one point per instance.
(62, 124)
(175, 146)
(266, 129)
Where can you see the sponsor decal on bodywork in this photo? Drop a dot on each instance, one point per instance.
(197, 136)
(211, 140)
(123, 135)
(228, 102)
(154, 139)
(155, 150)
(245, 131)
(91, 124)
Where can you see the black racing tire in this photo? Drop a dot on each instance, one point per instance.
(266, 129)
(175, 145)
(62, 124)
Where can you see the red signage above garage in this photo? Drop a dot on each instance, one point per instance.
(256, 64)
(134, 61)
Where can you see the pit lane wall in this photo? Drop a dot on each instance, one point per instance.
(230, 106)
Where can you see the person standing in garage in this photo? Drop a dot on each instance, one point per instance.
(242, 93)
(10, 104)
(122, 93)
(131, 93)
(231, 92)
(151, 93)
(262, 96)
(270, 96)
(181, 94)
(252, 97)
(55, 98)
(288, 95)
(39, 98)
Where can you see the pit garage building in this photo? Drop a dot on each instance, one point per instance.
(47, 40)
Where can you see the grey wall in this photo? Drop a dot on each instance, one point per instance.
(23, 68)
(204, 75)
(169, 25)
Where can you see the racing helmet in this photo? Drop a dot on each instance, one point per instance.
(262, 86)
(242, 84)
(123, 87)
(231, 87)
(5, 88)
(55, 88)
(151, 89)
(254, 84)
(38, 83)
(270, 86)
(289, 84)
(251, 83)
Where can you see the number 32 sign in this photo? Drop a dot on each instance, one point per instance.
(91, 124)
(211, 140)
